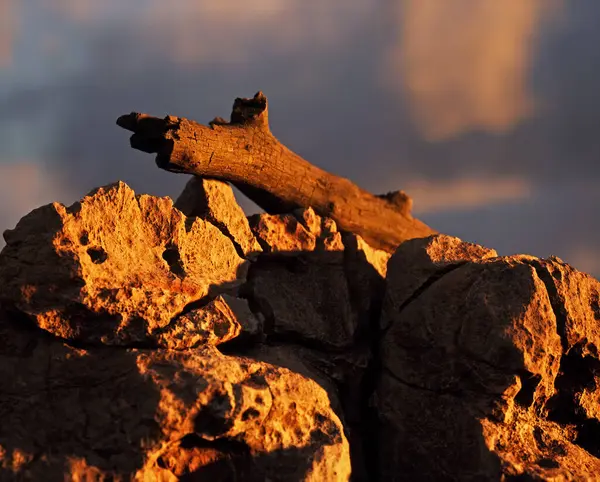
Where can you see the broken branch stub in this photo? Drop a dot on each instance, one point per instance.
(245, 153)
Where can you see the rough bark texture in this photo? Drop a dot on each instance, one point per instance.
(245, 153)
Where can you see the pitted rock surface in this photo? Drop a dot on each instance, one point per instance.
(127, 414)
(113, 267)
(223, 319)
(214, 201)
(495, 362)
(137, 343)
(301, 231)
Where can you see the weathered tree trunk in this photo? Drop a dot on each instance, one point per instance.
(246, 154)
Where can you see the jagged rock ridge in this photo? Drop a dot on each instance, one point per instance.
(138, 341)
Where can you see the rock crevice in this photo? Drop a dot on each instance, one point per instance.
(138, 341)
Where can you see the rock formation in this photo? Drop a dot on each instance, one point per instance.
(333, 337)
(139, 343)
(112, 310)
(489, 367)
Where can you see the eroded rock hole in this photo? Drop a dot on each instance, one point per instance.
(577, 372)
(172, 257)
(221, 327)
(97, 255)
(196, 458)
(212, 419)
(529, 383)
(250, 413)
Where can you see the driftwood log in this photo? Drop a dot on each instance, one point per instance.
(245, 153)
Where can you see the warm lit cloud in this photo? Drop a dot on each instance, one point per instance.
(463, 64)
(24, 187)
(464, 194)
(229, 30)
(585, 258)
(8, 27)
(77, 10)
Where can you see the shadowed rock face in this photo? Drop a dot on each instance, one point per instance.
(489, 367)
(111, 312)
(136, 342)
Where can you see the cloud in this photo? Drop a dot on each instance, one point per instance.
(192, 58)
(190, 31)
(464, 65)
(24, 187)
(78, 10)
(465, 194)
(233, 31)
(585, 258)
(8, 28)
(176, 59)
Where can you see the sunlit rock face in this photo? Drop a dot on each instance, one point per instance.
(214, 201)
(140, 343)
(111, 312)
(495, 363)
(114, 267)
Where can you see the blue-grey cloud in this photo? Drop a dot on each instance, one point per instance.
(321, 67)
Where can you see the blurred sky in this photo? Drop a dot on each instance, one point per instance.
(486, 112)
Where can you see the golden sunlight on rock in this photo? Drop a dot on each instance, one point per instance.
(133, 347)
(463, 65)
(466, 193)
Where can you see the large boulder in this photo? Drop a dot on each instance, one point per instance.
(489, 365)
(313, 282)
(122, 414)
(114, 267)
(137, 342)
(319, 291)
(110, 318)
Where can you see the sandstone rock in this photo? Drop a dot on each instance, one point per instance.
(114, 267)
(250, 412)
(341, 374)
(478, 382)
(136, 344)
(376, 257)
(418, 264)
(304, 230)
(118, 414)
(214, 201)
(305, 297)
(324, 299)
(366, 270)
(325, 291)
(283, 233)
(320, 309)
(220, 321)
